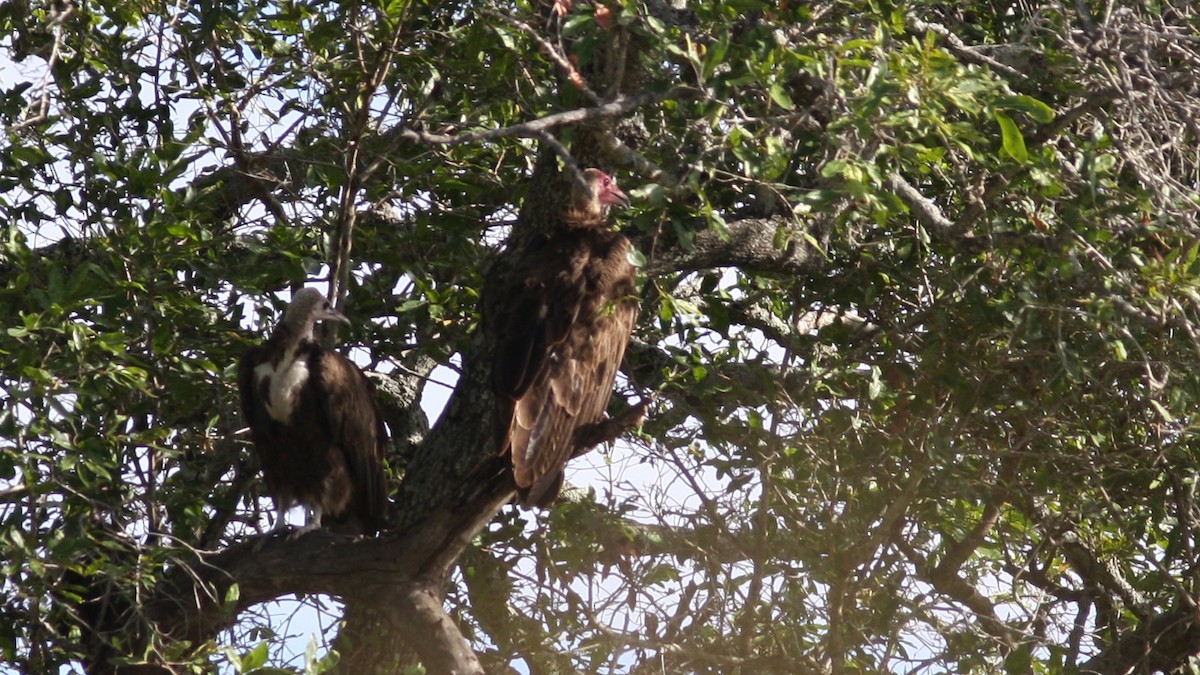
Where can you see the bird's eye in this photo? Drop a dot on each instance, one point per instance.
(607, 182)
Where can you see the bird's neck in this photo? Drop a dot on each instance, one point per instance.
(288, 338)
(591, 218)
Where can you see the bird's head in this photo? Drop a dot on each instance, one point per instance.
(601, 194)
(308, 307)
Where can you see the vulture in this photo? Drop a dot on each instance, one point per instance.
(560, 326)
(315, 423)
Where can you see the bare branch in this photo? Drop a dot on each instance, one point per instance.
(534, 128)
(949, 232)
(14, 494)
(961, 591)
(966, 53)
(551, 52)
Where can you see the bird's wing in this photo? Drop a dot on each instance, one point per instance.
(252, 405)
(535, 315)
(356, 426)
(534, 319)
(573, 390)
(608, 351)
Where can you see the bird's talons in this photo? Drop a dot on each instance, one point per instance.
(282, 529)
(301, 531)
(611, 428)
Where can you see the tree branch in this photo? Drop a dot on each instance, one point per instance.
(948, 583)
(948, 232)
(534, 128)
(190, 604)
(750, 245)
(959, 552)
(966, 53)
(1102, 578)
(1161, 644)
(430, 630)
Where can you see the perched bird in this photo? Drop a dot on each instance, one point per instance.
(560, 325)
(315, 423)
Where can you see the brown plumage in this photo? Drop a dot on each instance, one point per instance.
(315, 423)
(561, 324)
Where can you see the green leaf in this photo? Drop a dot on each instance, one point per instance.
(717, 223)
(234, 658)
(1119, 350)
(1029, 105)
(716, 55)
(652, 195)
(780, 97)
(1014, 143)
(1104, 163)
(635, 257)
(411, 304)
(875, 386)
(1162, 411)
(256, 657)
(776, 159)
(834, 167)
(688, 307)
(232, 595)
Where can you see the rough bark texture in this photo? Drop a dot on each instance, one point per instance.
(385, 580)
(1158, 645)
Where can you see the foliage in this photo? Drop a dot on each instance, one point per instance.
(943, 422)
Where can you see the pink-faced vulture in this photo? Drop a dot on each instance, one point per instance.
(560, 326)
(316, 425)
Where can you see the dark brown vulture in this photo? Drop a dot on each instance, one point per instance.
(561, 324)
(316, 425)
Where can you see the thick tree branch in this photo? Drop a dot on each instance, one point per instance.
(190, 604)
(399, 399)
(948, 583)
(1161, 644)
(427, 626)
(750, 245)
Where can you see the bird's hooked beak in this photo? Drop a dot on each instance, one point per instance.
(617, 198)
(332, 314)
(611, 195)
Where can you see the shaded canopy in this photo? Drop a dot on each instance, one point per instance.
(920, 312)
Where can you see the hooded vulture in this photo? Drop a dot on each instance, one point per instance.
(316, 426)
(560, 326)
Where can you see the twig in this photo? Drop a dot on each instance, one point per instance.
(963, 51)
(357, 173)
(14, 494)
(535, 128)
(551, 51)
(42, 110)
